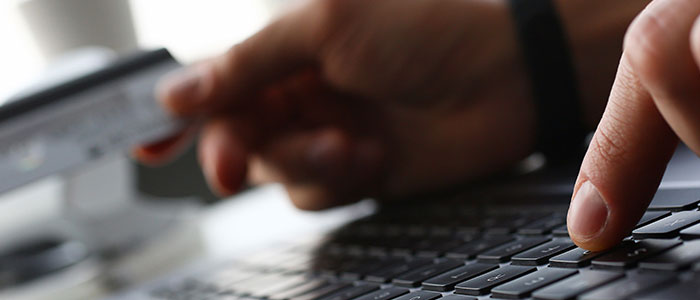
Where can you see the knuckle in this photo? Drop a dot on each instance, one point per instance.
(608, 143)
(329, 12)
(236, 56)
(644, 39)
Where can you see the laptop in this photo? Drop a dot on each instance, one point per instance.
(507, 241)
(503, 240)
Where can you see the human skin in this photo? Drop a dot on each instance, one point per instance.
(341, 100)
(653, 104)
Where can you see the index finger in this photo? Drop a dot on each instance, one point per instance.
(278, 50)
(623, 166)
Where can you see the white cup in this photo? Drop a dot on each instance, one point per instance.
(60, 26)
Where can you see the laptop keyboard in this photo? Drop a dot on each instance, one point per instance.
(453, 251)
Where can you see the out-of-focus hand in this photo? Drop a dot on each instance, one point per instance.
(655, 100)
(340, 100)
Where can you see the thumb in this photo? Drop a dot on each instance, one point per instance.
(623, 166)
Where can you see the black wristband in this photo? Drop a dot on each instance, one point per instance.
(560, 130)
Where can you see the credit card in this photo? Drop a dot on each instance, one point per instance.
(74, 123)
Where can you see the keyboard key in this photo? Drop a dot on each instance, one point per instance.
(471, 249)
(576, 258)
(415, 277)
(505, 224)
(543, 226)
(387, 274)
(321, 292)
(447, 281)
(652, 216)
(523, 286)
(628, 287)
(675, 259)
(384, 294)
(541, 254)
(436, 247)
(690, 233)
(484, 283)
(503, 253)
(668, 227)
(629, 253)
(675, 199)
(420, 295)
(457, 297)
(560, 231)
(368, 266)
(575, 285)
(351, 292)
(687, 290)
(298, 290)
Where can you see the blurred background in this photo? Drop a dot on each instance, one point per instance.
(190, 29)
(116, 224)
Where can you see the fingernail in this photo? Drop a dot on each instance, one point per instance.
(588, 213)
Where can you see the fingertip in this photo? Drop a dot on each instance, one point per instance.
(223, 159)
(313, 197)
(160, 152)
(588, 214)
(146, 157)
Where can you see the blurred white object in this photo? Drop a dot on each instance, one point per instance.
(60, 26)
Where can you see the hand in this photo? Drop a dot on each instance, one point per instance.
(654, 102)
(340, 100)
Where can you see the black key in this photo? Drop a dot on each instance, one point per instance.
(298, 290)
(630, 253)
(675, 199)
(447, 281)
(420, 295)
(668, 227)
(576, 258)
(471, 249)
(687, 290)
(628, 287)
(457, 297)
(321, 292)
(561, 231)
(504, 252)
(351, 292)
(436, 247)
(387, 274)
(415, 277)
(541, 254)
(523, 286)
(652, 216)
(484, 283)
(575, 285)
(543, 226)
(505, 224)
(384, 294)
(369, 265)
(690, 233)
(675, 259)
